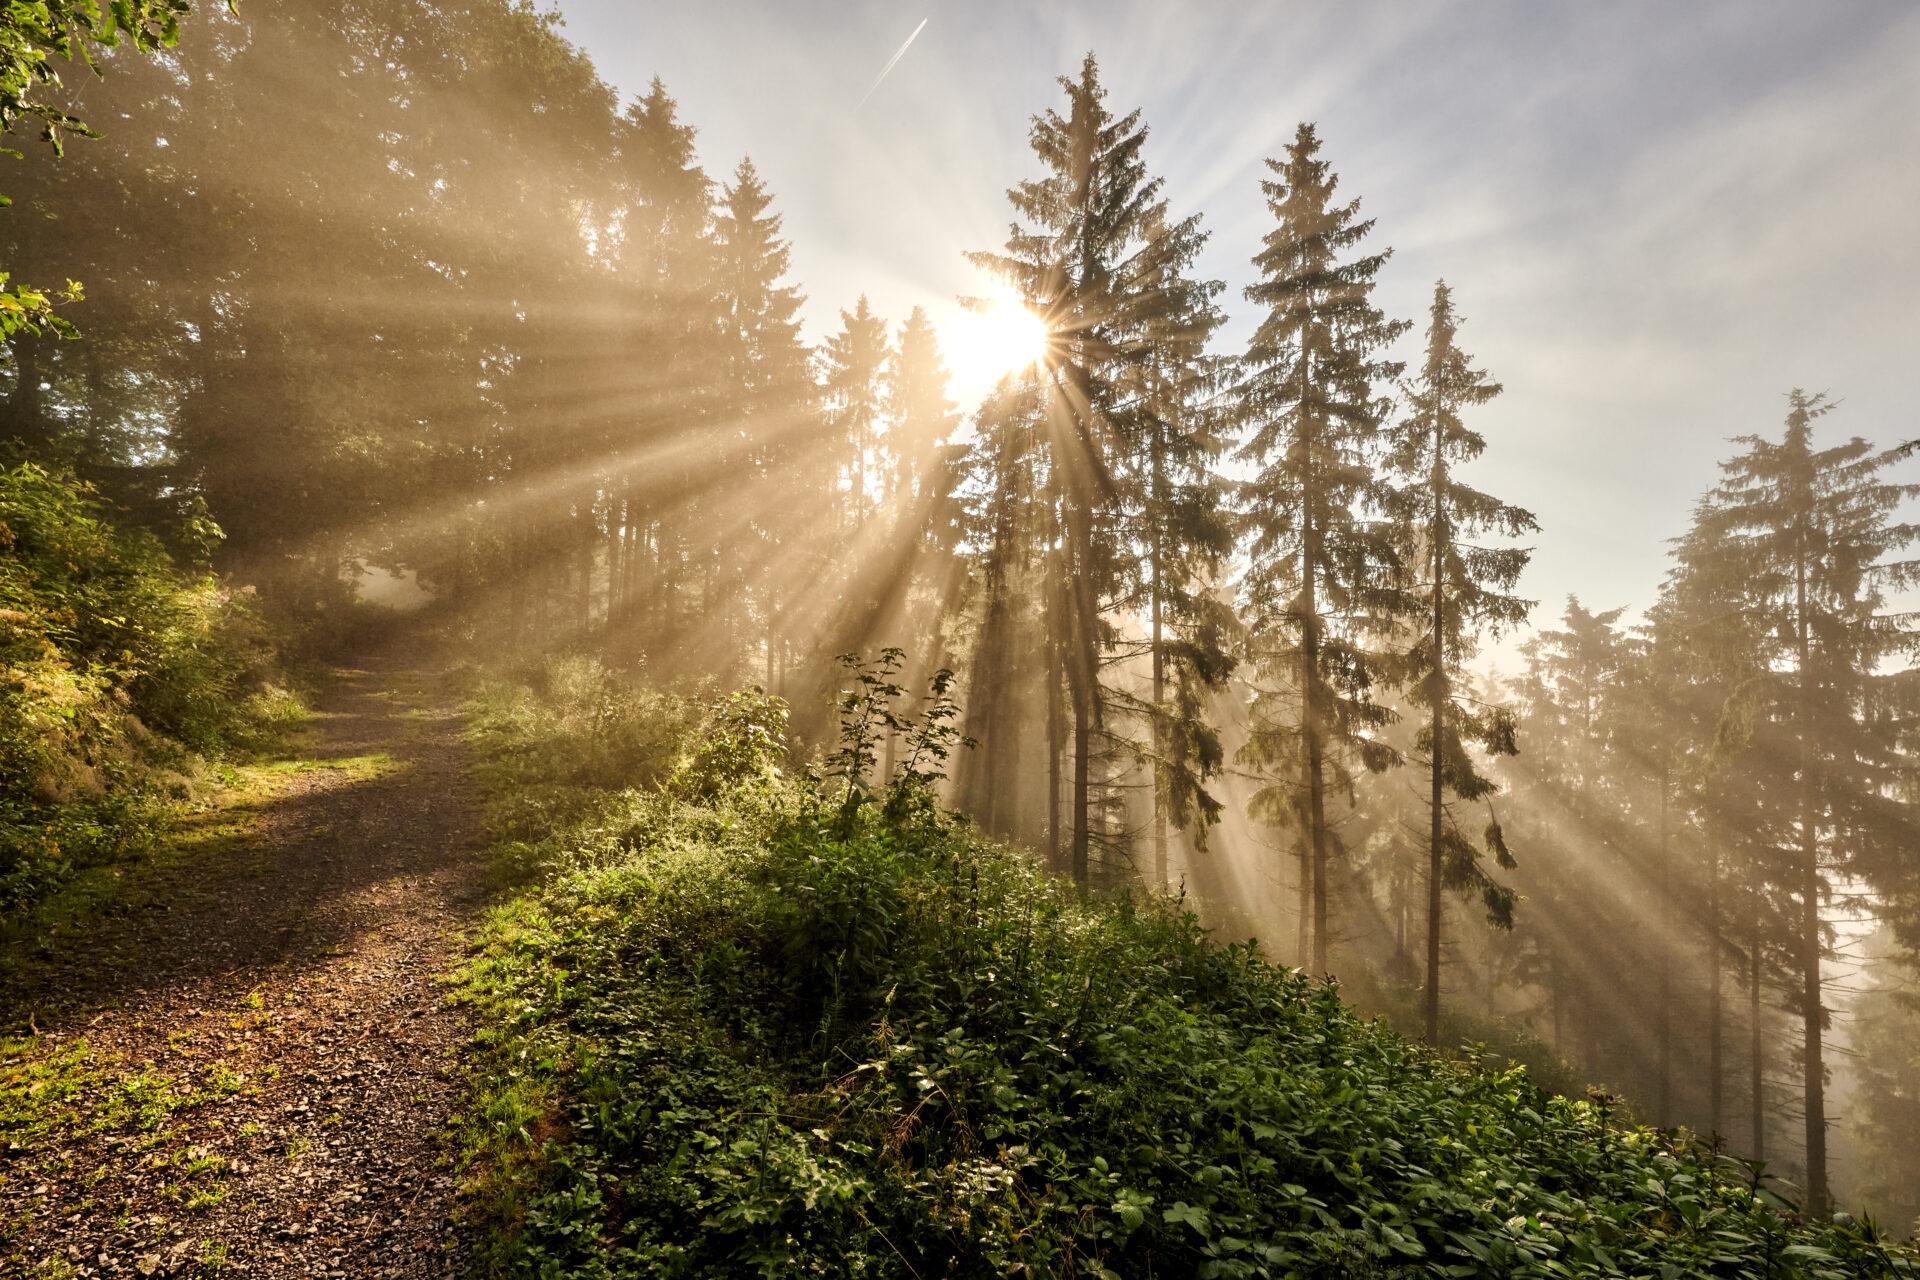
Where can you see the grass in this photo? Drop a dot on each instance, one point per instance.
(733, 1030)
(68, 1086)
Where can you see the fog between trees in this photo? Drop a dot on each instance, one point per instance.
(391, 286)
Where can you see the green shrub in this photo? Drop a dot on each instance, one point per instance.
(735, 1033)
(121, 670)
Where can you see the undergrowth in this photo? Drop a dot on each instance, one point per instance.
(126, 675)
(741, 1023)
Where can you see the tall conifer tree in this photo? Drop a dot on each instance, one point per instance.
(854, 364)
(1320, 586)
(767, 400)
(1180, 523)
(1808, 530)
(1467, 588)
(1098, 260)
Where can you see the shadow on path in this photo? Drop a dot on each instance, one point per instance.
(260, 1084)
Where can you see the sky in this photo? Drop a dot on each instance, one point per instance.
(1656, 219)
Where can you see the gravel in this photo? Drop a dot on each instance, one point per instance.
(296, 980)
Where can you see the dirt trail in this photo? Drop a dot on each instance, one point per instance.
(300, 1053)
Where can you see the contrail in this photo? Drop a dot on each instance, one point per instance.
(897, 54)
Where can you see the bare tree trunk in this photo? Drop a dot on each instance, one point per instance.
(1056, 718)
(585, 550)
(1310, 729)
(1715, 1068)
(1757, 1048)
(1663, 1097)
(1554, 995)
(1303, 900)
(1813, 1013)
(1437, 779)
(1081, 680)
(1160, 873)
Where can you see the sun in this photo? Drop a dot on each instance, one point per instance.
(1002, 337)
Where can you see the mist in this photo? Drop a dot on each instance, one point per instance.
(1546, 735)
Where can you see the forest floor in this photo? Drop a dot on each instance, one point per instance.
(243, 1060)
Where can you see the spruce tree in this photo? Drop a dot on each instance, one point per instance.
(1467, 587)
(890, 421)
(1097, 259)
(1567, 804)
(663, 255)
(1009, 527)
(1808, 531)
(764, 405)
(1178, 518)
(920, 473)
(854, 364)
(1319, 589)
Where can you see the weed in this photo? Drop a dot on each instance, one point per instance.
(206, 1198)
(205, 1162)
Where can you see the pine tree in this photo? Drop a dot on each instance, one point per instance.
(760, 423)
(662, 253)
(923, 476)
(1808, 531)
(1319, 587)
(891, 418)
(1721, 650)
(1468, 588)
(1010, 526)
(854, 365)
(1569, 804)
(1181, 526)
(1098, 263)
(921, 473)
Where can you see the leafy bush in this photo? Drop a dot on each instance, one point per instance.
(120, 670)
(735, 1033)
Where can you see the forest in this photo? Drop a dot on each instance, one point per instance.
(382, 318)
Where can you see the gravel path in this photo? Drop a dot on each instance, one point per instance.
(265, 1090)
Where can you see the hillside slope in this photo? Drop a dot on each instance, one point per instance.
(739, 1030)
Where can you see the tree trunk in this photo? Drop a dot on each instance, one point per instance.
(1303, 901)
(1810, 993)
(1663, 943)
(1757, 1045)
(26, 414)
(1056, 715)
(585, 553)
(1310, 729)
(1715, 1069)
(1081, 677)
(1160, 874)
(1434, 864)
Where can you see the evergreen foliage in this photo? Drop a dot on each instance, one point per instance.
(1807, 532)
(1469, 586)
(1099, 259)
(1320, 591)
